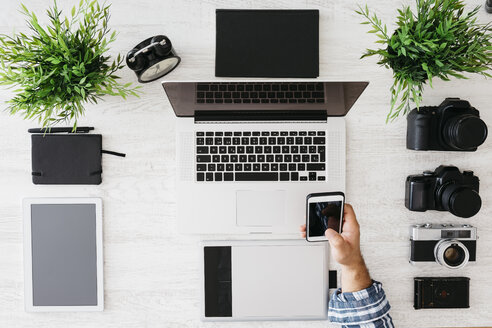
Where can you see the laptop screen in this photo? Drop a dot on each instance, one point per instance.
(235, 97)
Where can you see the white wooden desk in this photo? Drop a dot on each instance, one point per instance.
(152, 276)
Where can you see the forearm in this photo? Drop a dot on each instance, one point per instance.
(355, 276)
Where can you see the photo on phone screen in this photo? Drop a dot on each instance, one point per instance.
(324, 215)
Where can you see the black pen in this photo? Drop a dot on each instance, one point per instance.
(82, 129)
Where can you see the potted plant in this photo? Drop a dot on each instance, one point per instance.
(62, 66)
(438, 39)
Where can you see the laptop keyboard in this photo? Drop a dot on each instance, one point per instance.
(261, 156)
(256, 93)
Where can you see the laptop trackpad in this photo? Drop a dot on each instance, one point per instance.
(256, 208)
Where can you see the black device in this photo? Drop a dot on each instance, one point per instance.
(449, 245)
(267, 43)
(454, 125)
(323, 211)
(152, 58)
(445, 189)
(70, 158)
(441, 293)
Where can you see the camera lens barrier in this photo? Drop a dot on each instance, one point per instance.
(451, 253)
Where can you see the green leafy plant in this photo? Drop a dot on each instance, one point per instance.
(62, 66)
(437, 40)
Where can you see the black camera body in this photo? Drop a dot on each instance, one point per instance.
(441, 292)
(454, 125)
(445, 189)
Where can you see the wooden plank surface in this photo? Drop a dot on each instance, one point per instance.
(152, 276)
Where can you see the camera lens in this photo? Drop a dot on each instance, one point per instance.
(465, 132)
(451, 253)
(460, 200)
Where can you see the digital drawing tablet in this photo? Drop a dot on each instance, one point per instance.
(258, 280)
(63, 254)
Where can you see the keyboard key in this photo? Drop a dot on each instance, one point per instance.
(274, 167)
(249, 150)
(243, 158)
(314, 158)
(276, 149)
(218, 176)
(222, 150)
(256, 176)
(258, 149)
(311, 133)
(256, 167)
(283, 167)
(269, 158)
(202, 87)
(267, 149)
(251, 158)
(303, 149)
(321, 133)
(201, 167)
(200, 177)
(312, 149)
(209, 141)
(234, 158)
(200, 141)
(218, 141)
(292, 167)
(296, 158)
(228, 176)
(203, 158)
(227, 141)
(229, 167)
(315, 167)
(301, 167)
(219, 134)
(321, 178)
(247, 167)
(214, 150)
(211, 167)
(240, 149)
(215, 158)
(238, 167)
(265, 167)
(231, 150)
(220, 167)
(224, 158)
(319, 141)
(209, 177)
(284, 133)
(284, 176)
(294, 176)
(303, 178)
(312, 176)
(202, 150)
(256, 134)
(260, 158)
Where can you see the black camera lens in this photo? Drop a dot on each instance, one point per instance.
(465, 132)
(461, 201)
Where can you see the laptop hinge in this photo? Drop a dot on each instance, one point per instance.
(260, 115)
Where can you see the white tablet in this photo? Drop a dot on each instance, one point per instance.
(63, 254)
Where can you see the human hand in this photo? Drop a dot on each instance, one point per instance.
(345, 249)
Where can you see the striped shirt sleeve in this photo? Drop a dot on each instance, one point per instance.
(367, 308)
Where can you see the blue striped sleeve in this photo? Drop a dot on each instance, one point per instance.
(367, 308)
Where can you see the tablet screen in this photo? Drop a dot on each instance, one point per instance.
(64, 254)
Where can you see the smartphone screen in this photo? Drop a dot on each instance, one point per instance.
(324, 212)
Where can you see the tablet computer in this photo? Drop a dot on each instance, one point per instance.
(63, 254)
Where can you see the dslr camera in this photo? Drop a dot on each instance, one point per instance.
(441, 292)
(449, 245)
(453, 125)
(445, 189)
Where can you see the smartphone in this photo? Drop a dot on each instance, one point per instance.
(323, 211)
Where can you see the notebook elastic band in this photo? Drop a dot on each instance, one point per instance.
(113, 153)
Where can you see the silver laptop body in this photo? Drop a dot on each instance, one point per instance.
(249, 152)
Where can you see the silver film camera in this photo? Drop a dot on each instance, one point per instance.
(452, 246)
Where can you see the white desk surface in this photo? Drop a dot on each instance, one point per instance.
(152, 276)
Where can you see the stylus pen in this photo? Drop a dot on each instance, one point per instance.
(82, 129)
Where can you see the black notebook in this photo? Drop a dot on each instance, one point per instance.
(72, 158)
(267, 43)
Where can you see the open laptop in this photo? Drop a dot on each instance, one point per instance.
(249, 152)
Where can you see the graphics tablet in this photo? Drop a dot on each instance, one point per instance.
(63, 254)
